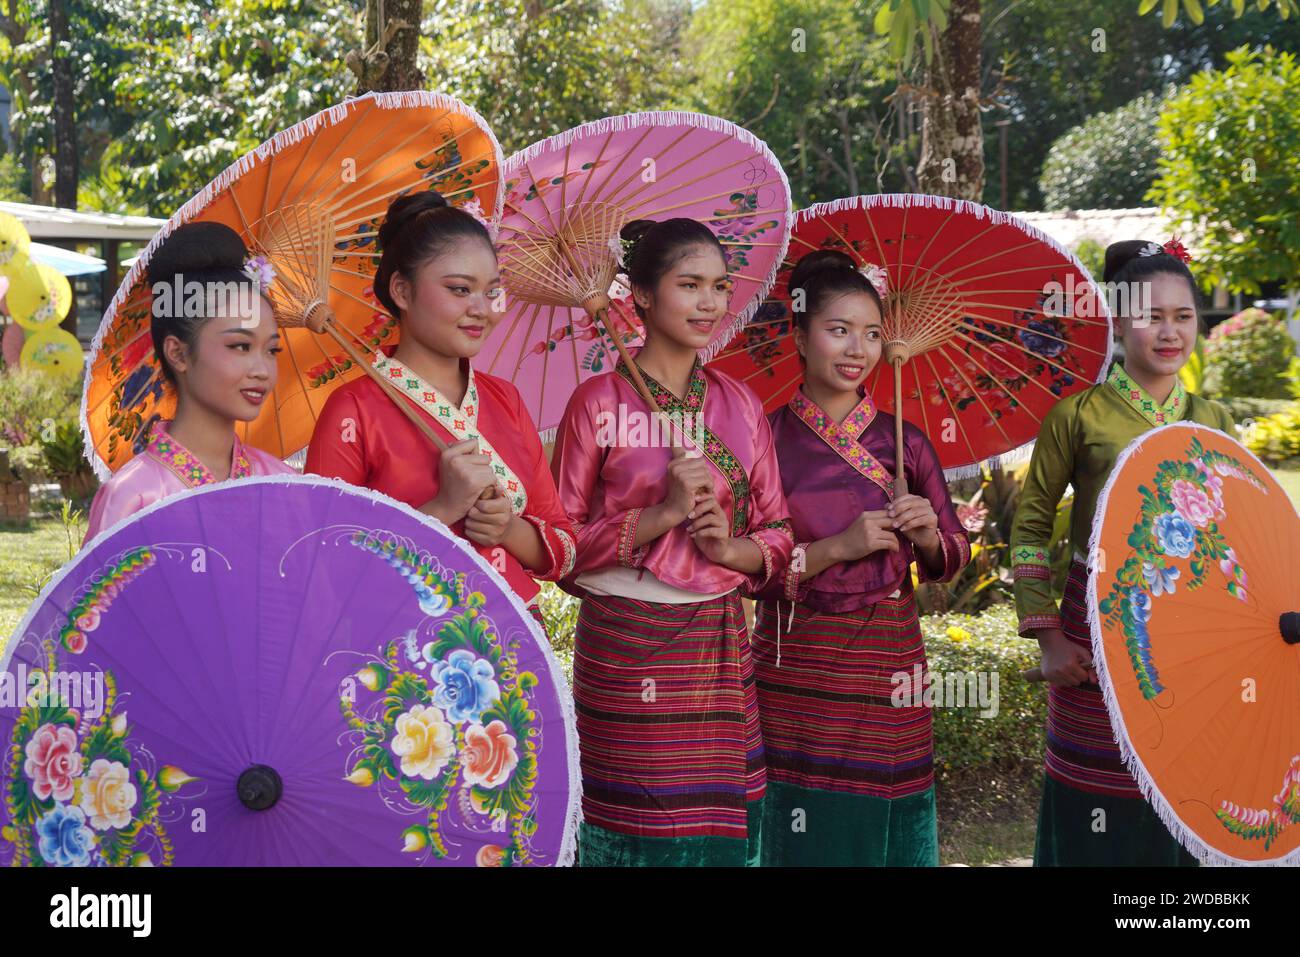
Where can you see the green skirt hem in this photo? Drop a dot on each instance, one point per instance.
(1078, 828)
(601, 847)
(810, 827)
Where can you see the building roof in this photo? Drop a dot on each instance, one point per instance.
(1069, 227)
(50, 222)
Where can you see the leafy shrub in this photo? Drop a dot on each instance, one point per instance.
(1248, 355)
(1276, 438)
(1107, 162)
(560, 612)
(32, 404)
(1245, 408)
(1011, 739)
(1093, 255)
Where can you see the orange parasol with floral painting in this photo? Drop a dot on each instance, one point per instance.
(1195, 612)
(311, 201)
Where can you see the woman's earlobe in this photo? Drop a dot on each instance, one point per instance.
(399, 291)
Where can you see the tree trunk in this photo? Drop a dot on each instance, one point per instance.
(66, 173)
(389, 62)
(952, 140)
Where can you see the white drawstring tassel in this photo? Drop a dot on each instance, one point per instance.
(778, 633)
(788, 626)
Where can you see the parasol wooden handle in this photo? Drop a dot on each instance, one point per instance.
(330, 329)
(897, 353)
(1036, 674)
(327, 326)
(597, 306)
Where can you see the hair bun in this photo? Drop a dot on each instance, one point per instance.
(196, 247)
(635, 229)
(1120, 254)
(405, 208)
(820, 260)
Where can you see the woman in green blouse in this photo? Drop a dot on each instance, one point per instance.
(1092, 812)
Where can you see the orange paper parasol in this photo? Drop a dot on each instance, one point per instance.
(311, 199)
(1192, 594)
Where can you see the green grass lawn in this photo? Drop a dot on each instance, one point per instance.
(29, 555)
(1291, 482)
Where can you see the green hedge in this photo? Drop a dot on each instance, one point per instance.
(1247, 407)
(1013, 738)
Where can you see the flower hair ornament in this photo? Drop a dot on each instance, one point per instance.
(475, 209)
(878, 276)
(260, 271)
(622, 250)
(1173, 248)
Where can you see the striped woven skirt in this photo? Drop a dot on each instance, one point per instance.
(850, 771)
(1092, 812)
(672, 757)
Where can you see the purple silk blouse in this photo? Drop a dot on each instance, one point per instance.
(830, 472)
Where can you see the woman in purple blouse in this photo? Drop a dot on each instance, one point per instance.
(849, 745)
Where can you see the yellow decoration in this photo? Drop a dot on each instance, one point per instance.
(55, 351)
(14, 244)
(39, 297)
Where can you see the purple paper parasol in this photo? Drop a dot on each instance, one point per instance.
(283, 671)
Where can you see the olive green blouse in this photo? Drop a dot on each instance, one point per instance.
(1080, 440)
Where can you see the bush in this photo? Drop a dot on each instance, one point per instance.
(32, 404)
(1246, 408)
(560, 612)
(1107, 162)
(1249, 355)
(1011, 739)
(1093, 256)
(1276, 438)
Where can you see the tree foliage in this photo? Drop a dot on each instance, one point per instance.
(1169, 8)
(1108, 162)
(809, 78)
(535, 68)
(1230, 163)
(1070, 66)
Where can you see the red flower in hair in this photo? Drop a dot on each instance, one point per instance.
(1176, 249)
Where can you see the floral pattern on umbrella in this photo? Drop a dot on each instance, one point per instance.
(314, 193)
(450, 730)
(1179, 521)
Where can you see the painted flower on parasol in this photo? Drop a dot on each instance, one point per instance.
(567, 317)
(308, 203)
(988, 322)
(354, 662)
(1196, 639)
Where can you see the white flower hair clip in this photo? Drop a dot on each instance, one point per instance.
(1150, 249)
(260, 271)
(878, 276)
(475, 209)
(618, 247)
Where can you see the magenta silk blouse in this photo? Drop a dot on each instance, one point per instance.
(607, 472)
(831, 472)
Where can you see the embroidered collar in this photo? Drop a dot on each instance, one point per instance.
(186, 465)
(692, 402)
(1141, 400)
(460, 420)
(843, 437)
(714, 449)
